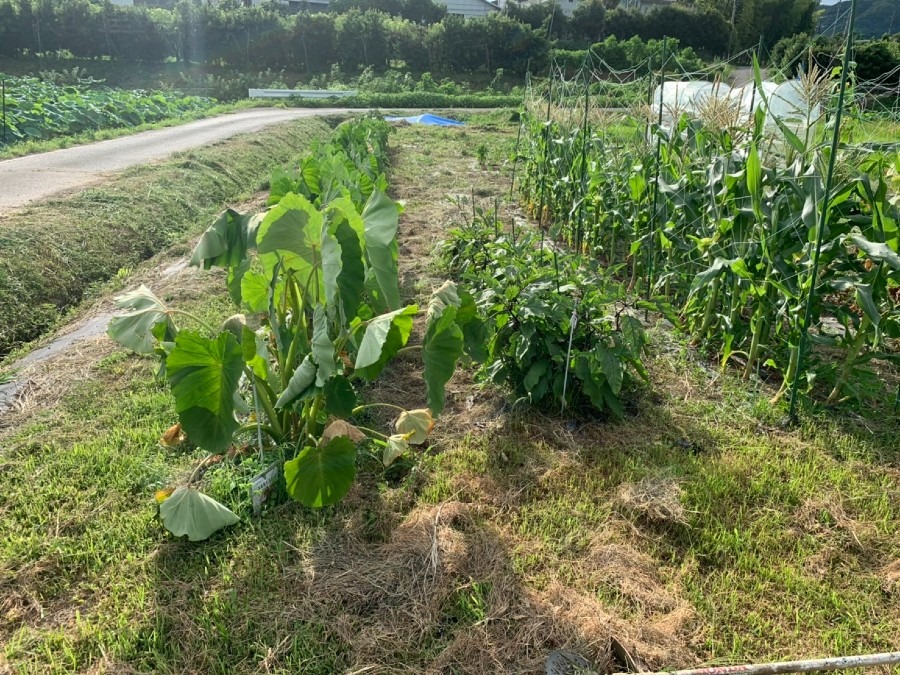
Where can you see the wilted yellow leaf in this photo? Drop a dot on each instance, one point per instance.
(163, 495)
(341, 428)
(173, 437)
(396, 446)
(415, 425)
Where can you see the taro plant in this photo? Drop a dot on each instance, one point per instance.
(320, 312)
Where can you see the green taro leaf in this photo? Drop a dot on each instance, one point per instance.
(322, 347)
(375, 343)
(135, 330)
(292, 232)
(320, 476)
(381, 217)
(255, 291)
(189, 512)
(302, 379)
(204, 376)
(345, 272)
(340, 399)
(442, 348)
(226, 242)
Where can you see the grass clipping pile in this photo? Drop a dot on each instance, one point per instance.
(396, 604)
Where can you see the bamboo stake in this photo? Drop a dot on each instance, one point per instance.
(809, 665)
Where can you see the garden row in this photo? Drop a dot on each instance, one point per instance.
(38, 110)
(315, 280)
(721, 222)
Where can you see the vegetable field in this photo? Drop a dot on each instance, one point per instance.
(38, 110)
(659, 506)
(771, 240)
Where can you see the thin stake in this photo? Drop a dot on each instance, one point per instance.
(652, 242)
(584, 135)
(826, 203)
(3, 96)
(573, 322)
(834, 663)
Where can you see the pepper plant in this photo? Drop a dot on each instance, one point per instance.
(315, 278)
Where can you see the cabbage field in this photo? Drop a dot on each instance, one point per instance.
(37, 110)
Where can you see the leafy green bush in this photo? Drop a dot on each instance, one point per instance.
(554, 332)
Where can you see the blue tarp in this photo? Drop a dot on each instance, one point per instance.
(428, 118)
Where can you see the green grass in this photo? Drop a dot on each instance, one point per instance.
(51, 253)
(781, 551)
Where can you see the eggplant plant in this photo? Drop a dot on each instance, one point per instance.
(320, 312)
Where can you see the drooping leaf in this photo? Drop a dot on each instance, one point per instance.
(322, 347)
(340, 399)
(633, 335)
(375, 338)
(878, 251)
(415, 425)
(226, 242)
(204, 376)
(190, 512)
(173, 437)
(611, 367)
(714, 270)
(323, 474)
(442, 347)
(381, 218)
(303, 378)
(351, 281)
(395, 446)
(341, 428)
(135, 330)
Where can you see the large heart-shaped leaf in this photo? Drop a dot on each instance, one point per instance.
(135, 330)
(375, 344)
(189, 512)
(292, 233)
(381, 218)
(322, 475)
(204, 376)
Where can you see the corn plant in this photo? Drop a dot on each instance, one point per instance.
(721, 220)
(315, 279)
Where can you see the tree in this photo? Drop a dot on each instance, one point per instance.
(589, 20)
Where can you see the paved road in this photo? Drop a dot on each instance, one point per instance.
(34, 177)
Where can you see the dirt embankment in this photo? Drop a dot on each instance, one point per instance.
(52, 253)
